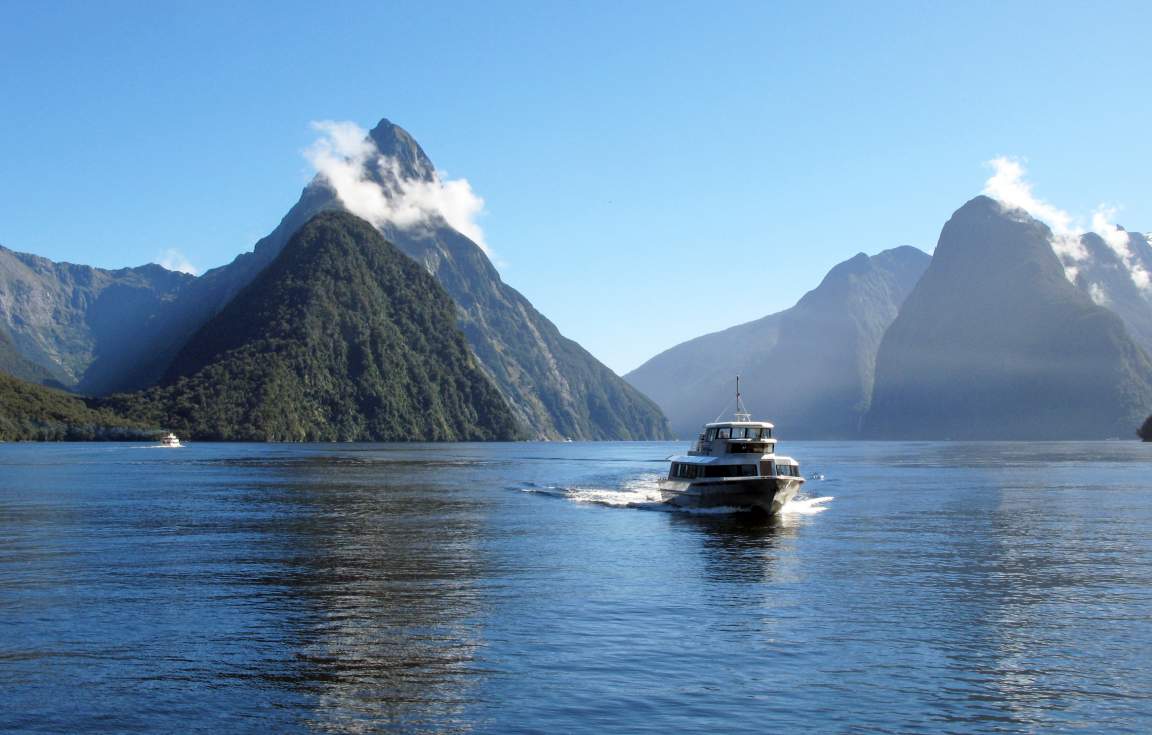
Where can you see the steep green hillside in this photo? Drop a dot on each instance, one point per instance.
(30, 412)
(341, 338)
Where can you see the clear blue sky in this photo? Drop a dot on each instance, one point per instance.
(642, 163)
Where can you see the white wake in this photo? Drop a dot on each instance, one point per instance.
(643, 493)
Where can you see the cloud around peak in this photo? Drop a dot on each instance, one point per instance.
(174, 260)
(374, 187)
(1009, 185)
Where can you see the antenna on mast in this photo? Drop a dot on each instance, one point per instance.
(742, 413)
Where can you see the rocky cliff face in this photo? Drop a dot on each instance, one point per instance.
(995, 343)
(75, 321)
(809, 368)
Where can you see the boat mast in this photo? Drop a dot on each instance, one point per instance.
(742, 413)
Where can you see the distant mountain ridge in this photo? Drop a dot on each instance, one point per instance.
(1000, 335)
(808, 368)
(72, 320)
(995, 343)
(341, 338)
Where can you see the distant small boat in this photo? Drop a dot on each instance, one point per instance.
(170, 440)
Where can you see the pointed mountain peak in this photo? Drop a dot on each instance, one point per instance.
(901, 254)
(985, 232)
(394, 142)
(985, 207)
(981, 201)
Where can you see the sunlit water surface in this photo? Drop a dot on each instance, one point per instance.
(541, 588)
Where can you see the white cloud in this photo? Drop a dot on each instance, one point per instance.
(174, 260)
(1118, 241)
(1009, 186)
(344, 155)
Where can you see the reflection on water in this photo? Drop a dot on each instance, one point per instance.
(385, 630)
(542, 588)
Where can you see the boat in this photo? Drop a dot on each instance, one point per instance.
(733, 464)
(170, 440)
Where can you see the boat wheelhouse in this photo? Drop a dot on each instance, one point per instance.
(733, 464)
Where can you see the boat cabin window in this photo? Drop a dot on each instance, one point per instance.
(730, 470)
(738, 432)
(686, 470)
(747, 447)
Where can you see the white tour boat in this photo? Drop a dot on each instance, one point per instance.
(733, 464)
(170, 440)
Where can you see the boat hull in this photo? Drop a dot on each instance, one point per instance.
(760, 494)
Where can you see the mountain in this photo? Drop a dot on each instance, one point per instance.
(808, 368)
(995, 343)
(340, 338)
(30, 412)
(75, 321)
(1118, 281)
(554, 387)
(14, 364)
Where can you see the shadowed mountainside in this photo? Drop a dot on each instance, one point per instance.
(995, 343)
(14, 364)
(78, 323)
(808, 368)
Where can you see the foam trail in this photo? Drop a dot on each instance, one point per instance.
(636, 492)
(802, 506)
(643, 493)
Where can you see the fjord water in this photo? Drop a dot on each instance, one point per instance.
(960, 587)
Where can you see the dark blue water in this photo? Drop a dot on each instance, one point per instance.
(534, 588)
